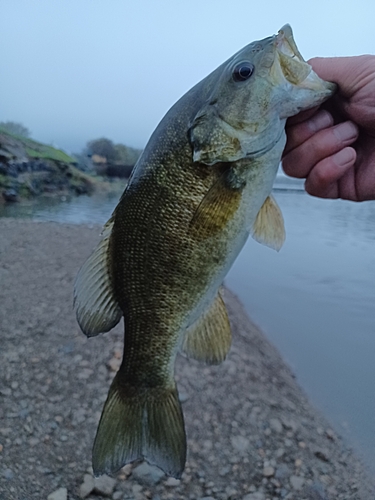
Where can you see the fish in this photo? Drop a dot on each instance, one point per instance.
(201, 186)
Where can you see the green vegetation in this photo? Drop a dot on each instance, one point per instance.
(54, 171)
(30, 168)
(37, 150)
(113, 153)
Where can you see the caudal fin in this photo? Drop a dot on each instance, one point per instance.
(140, 424)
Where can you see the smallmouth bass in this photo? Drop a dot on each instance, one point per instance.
(200, 187)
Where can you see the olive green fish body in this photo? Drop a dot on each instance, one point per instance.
(200, 187)
(167, 263)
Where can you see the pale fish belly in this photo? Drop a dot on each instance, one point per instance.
(259, 180)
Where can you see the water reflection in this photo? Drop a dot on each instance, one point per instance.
(95, 209)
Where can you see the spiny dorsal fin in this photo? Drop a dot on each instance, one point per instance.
(209, 338)
(140, 422)
(96, 308)
(268, 227)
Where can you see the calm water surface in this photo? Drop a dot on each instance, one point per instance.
(314, 299)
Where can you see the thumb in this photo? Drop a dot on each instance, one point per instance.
(344, 71)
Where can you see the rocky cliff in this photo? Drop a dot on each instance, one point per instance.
(29, 168)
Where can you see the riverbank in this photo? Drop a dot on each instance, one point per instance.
(30, 169)
(252, 433)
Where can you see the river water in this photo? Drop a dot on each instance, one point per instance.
(315, 299)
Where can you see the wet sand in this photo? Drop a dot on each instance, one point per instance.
(252, 434)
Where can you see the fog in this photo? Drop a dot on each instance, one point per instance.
(74, 71)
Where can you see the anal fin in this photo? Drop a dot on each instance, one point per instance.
(209, 338)
(96, 308)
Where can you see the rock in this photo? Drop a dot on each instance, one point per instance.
(148, 475)
(114, 364)
(224, 470)
(231, 492)
(331, 435)
(240, 443)
(276, 425)
(6, 391)
(296, 482)
(104, 485)
(268, 471)
(282, 471)
(60, 494)
(10, 195)
(258, 495)
(315, 492)
(322, 455)
(183, 397)
(136, 489)
(87, 486)
(171, 481)
(118, 495)
(8, 474)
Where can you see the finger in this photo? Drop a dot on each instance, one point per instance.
(323, 180)
(299, 161)
(302, 116)
(299, 133)
(347, 72)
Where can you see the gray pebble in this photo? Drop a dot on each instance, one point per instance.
(296, 482)
(60, 494)
(276, 425)
(87, 486)
(258, 495)
(148, 475)
(240, 443)
(8, 474)
(104, 485)
(117, 495)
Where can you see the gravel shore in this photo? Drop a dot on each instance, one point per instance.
(252, 433)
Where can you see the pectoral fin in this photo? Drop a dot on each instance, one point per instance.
(216, 209)
(268, 227)
(96, 308)
(209, 338)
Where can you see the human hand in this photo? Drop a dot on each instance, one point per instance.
(333, 146)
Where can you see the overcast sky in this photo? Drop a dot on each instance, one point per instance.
(75, 70)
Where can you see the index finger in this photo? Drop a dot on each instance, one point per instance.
(302, 116)
(301, 131)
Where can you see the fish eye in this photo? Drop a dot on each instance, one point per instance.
(242, 71)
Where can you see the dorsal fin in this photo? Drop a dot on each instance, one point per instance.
(96, 308)
(209, 338)
(268, 227)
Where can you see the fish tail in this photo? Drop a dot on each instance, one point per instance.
(144, 423)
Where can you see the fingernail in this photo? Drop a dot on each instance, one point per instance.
(321, 120)
(344, 157)
(346, 131)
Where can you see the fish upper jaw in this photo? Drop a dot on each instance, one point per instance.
(297, 73)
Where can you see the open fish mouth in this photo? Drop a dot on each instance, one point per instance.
(286, 45)
(294, 67)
